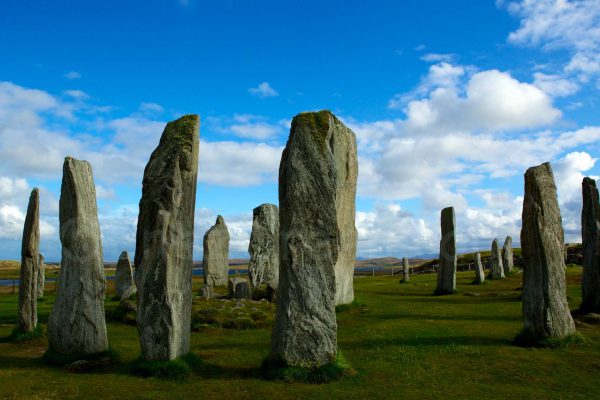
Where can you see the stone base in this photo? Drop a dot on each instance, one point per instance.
(331, 372)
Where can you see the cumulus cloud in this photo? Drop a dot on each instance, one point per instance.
(230, 163)
(264, 90)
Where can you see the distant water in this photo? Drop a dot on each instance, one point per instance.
(195, 272)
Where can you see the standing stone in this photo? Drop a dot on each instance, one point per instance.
(41, 277)
(231, 284)
(479, 275)
(496, 267)
(545, 308)
(216, 254)
(206, 292)
(343, 147)
(263, 267)
(305, 329)
(406, 269)
(76, 325)
(590, 234)
(446, 276)
(124, 284)
(30, 247)
(164, 245)
(243, 290)
(507, 256)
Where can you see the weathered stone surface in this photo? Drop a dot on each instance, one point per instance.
(30, 258)
(305, 329)
(124, 284)
(206, 292)
(507, 256)
(164, 246)
(216, 254)
(41, 277)
(405, 269)
(590, 233)
(479, 274)
(77, 324)
(496, 267)
(446, 277)
(231, 284)
(343, 147)
(545, 309)
(243, 290)
(263, 267)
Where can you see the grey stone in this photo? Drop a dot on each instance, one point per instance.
(216, 254)
(76, 325)
(496, 267)
(590, 234)
(406, 269)
(305, 328)
(446, 276)
(30, 258)
(164, 245)
(206, 292)
(243, 290)
(507, 256)
(231, 284)
(124, 284)
(41, 277)
(545, 308)
(263, 267)
(479, 274)
(343, 147)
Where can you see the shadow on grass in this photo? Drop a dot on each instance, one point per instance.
(437, 317)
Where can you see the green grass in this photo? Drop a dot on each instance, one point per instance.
(178, 369)
(327, 373)
(17, 336)
(403, 342)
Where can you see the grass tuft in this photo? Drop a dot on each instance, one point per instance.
(347, 307)
(178, 369)
(17, 336)
(330, 372)
(525, 339)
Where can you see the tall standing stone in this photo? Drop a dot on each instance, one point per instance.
(41, 277)
(30, 256)
(343, 145)
(216, 254)
(479, 274)
(263, 267)
(496, 267)
(545, 308)
(76, 325)
(124, 284)
(590, 234)
(305, 329)
(164, 244)
(406, 269)
(446, 277)
(507, 256)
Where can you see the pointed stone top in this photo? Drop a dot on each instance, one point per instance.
(123, 255)
(182, 130)
(587, 181)
(508, 240)
(220, 220)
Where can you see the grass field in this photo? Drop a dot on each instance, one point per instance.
(403, 342)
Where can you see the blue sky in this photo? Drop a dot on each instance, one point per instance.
(450, 102)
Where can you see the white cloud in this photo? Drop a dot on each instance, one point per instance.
(571, 25)
(151, 108)
(437, 57)
(264, 90)
(238, 164)
(72, 75)
(246, 126)
(555, 85)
